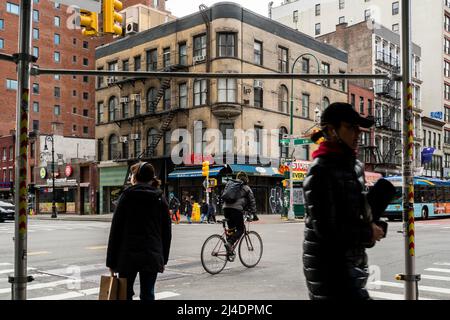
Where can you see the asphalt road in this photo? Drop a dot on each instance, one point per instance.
(67, 259)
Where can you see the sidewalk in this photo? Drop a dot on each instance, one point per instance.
(263, 219)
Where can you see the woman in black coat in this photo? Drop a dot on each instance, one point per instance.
(140, 236)
(338, 221)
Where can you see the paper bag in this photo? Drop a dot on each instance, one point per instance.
(112, 288)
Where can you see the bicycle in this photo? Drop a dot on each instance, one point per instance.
(214, 255)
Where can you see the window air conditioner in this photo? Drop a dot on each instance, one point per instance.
(199, 59)
(123, 139)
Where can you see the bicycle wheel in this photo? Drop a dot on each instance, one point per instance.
(214, 254)
(250, 249)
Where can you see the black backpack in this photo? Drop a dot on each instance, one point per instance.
(232, 191)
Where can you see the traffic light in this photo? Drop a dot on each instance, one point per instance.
(89, 23)
(205, 168)
(112, 20)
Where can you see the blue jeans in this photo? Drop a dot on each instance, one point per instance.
(147, 281)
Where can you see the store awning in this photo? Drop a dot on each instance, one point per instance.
(256, 170)
(193, 173)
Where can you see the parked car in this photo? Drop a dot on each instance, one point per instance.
(7, 211)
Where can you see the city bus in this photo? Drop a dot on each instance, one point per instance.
(431, 198)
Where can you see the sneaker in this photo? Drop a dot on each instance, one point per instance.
(255, 218)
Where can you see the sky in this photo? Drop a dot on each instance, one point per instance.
(181, 8)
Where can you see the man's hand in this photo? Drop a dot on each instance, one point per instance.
(377, 233)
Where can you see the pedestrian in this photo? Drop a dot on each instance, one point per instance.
(238, 198)
(188, 208)
(338, 221)
(174, 206)
(140, 236)
(211, 213)
(204, 211)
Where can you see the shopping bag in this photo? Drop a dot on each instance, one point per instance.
(112, 288)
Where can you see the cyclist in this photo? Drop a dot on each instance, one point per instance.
(238, 198)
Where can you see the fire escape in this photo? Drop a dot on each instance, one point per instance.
(387, 116)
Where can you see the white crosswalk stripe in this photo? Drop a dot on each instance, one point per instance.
(438, 270)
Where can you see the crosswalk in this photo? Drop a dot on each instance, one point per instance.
(40, 226)
(434, 285)
(64, 283)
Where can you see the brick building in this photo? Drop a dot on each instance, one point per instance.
(6, 165)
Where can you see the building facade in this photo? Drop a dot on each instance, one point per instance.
(321, 17)
(376, 51)
(137, 116)
(7, 148)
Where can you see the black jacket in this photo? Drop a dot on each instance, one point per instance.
(337, 229)
(140, 233)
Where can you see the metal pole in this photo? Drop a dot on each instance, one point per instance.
(19, 282)
(54, 215)
(410, 278)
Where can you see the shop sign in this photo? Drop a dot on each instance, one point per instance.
(300, 170)
(68, 171)
(43, 173)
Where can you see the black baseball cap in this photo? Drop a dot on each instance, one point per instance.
(341, 111)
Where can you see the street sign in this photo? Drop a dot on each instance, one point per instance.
(205, 183)
(297, 142)
(212, 182)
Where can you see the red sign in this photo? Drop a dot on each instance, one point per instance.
(197, 159)
(68, 171)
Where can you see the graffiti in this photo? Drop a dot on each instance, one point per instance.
(276, 200)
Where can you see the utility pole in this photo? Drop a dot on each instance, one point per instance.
(24, 59)
(410, 277)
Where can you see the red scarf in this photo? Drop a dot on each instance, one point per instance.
(331, 148)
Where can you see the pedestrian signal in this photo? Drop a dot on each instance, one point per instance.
(112, 20)
(89, 23)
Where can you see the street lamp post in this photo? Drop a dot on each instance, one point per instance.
(291, 214)
(50, 138)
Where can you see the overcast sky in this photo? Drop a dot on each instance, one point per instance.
(181, 8)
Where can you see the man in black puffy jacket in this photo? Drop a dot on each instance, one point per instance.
(338, 222)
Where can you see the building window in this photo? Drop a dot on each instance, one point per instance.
(85, 62)
(227, 45)
(112, 108)
(152, 135)
(137, 105)
(35, 88)
(85, 95)
(182, 88)
(57, 110)
(85, 45)
(152, 60)
(57, 92)
(317, 10)
(395, 28)
(317, 29)
(200, 92)
(85, 79)
(369, 107)
(367, 14)
(167, 99)
(151, 100)
(166, 57)
(325, 103)
(137, 63)
(126, 65)
(57, 56)
(57, 21)
(100, 149)
(100, 107)
(36, 52)
(85, 130)
(2, 24)
(447, 92)
(227, 145)
(200, 47)
(182, 54)
(326, 70)
(295, 16)
(74, 110)
(395, 8)
(305, 105)
(361, 105)
(12, 8)
(35, 106)
(35, 34)
(74, 93)
(125, 107)
(283, 99)
(100, 79)
(284, 150)
(341, 4)
(227, 90)
(11, 84)
(283, 56)
(57, 5)
(447, 46)
(341, 19)
(353, 101)
(113, 147)
(36, 15)
(305, 65)
(167, 143)
(258, 50)
(35, 125)
(57, 39)
(258, 94)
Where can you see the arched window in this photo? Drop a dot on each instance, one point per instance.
(151, 100)
(284, 150)
(325, 103)
(112, 108)
(283, 99)
(151, 138)
(113, 147)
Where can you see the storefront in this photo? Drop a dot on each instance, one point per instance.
(188, 182)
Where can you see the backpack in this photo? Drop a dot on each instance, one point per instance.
(232, 191)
